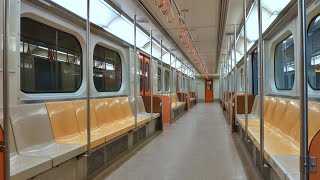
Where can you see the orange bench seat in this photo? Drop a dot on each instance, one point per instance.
(282, 132)
(110, 118)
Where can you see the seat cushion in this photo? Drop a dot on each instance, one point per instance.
(154, 115)
(27, 167)
(110, 131)
(286, 166)
(95, 140)
(59, 153)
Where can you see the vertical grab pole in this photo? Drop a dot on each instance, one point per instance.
(260, 42)
(6, 92)
(230, 74)
(170, 83)
(88, 77)
(135, 71)
(162, 77)
(304, 152)
(235, 71)
(177, 80)
(151, 74)
(227, 65)
(181, 78)
(162, 73)
(245, 67)
(228, 80)
(188, 88)
(224, 81)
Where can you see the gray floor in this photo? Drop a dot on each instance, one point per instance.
(198, 146)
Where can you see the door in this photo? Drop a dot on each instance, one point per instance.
(209, 90)
(255, 72)
(144, 75)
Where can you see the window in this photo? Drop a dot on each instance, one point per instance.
(167, 80)
(241, 79)
(313, 53)
(146, 77)
(177, 81)
(141, 75)
(107, 69)
(183, 85)
(50, 59)
(159, 80)
(284, 65)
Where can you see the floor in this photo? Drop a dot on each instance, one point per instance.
(199, 146)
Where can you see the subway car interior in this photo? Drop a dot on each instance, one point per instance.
(160, 89)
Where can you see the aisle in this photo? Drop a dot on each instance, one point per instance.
(198, 146)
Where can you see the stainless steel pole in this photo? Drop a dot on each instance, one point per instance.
(170, 82)
(151, 74)
(88, 77)
(227, 64)
(162, 72)
(304, 151)
(245, 67)
(172, 75)
(181, 78)
(135, 72)
(224, 81)
(188, 88)
(6, 91)
(230, 73)
(228, 80)
(162, 77)
(260, 51)
(177, 80)
(235, 71)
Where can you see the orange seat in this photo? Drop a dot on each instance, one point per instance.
(118, 116)
(280, 121)
(81, 113)
(106, 119)
(65, 127)
(128, 114)
(314, 120)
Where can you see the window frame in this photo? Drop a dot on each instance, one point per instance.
(311, 21)
(165, 72)
(147, 78)
(37, 43)
(242, 80)
(121, 61)
(274, 64)
(159, 69)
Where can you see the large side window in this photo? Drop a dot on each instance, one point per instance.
(50, 59)
(313, 53)
(284, 65)
(167, 80)
(184, 83)
(241, 80)
(141, 75)
(107, 69)
(146, 82)
(159, 80)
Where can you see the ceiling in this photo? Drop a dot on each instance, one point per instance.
(201, 18)
(202, 26)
